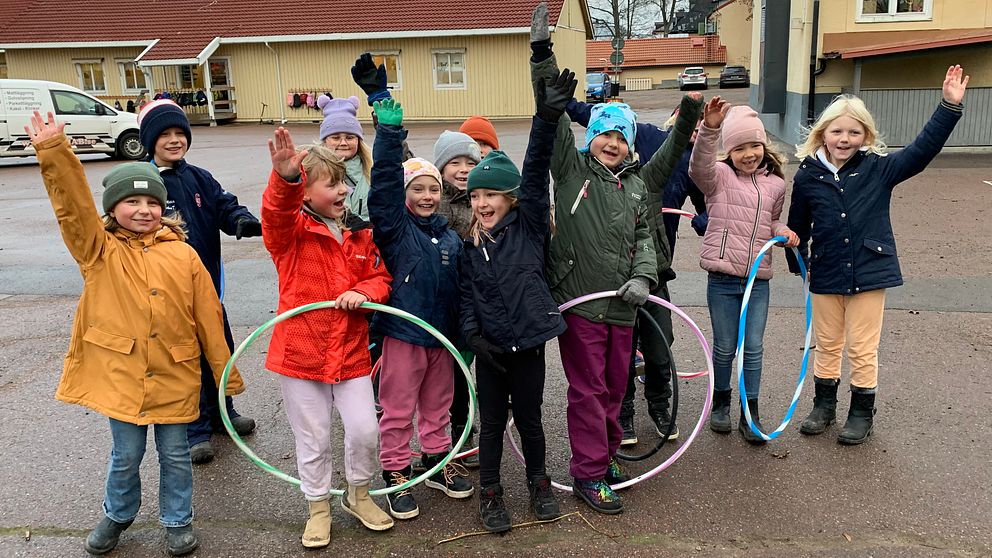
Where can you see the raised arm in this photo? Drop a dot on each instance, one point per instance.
(663, 163)
(702, 163)
(80, 222)
(387, 199)
(283, 197)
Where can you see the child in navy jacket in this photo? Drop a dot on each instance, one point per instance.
(207, 209)
(421, 252)
(844, 185)
(507, 312)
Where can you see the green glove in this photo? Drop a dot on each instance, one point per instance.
(388, 111)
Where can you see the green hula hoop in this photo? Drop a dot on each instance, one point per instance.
(262, 464)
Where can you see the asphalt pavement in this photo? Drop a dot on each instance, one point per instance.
(919, 487)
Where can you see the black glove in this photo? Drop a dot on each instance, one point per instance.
(372, 80)
(247, 227)
(485, 350)
(553, 97)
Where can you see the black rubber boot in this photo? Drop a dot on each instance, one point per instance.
(720, 413)
(824, 411)
(859, 418)
(745, 430)
(104, 537)
(180, 541)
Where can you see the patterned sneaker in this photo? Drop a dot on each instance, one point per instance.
(452, 479)
(598, 495)
(614, 474)
(401, 504)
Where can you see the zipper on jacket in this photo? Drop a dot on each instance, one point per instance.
(583, 194)
(723, 243)
(754, 232)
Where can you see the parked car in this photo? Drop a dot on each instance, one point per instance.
(692, 76)
(598, 87)
(734, 75)
(91, 125)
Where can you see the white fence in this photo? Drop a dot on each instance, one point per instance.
(638, 84)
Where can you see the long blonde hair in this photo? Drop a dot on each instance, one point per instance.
(173, 221)
(365, 155)
(773, 161)
(842, 105)
(322, 162)
(475, 229)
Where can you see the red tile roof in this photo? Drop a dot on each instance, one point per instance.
(668, 51)
(185, 27)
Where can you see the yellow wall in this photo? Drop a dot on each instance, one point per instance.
(735, 31)
(660, 74)
(838, 16)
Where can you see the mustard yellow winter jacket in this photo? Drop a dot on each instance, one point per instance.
(147, 308)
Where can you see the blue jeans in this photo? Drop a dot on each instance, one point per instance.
(724, 295)
(175, 489)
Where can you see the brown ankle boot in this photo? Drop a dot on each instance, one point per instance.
(317, 533)
(358, 503)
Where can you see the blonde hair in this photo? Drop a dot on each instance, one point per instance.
(773, 160)
(365, 155)
(173, 221)
(842, 105)
(475, 229)
(322, 162)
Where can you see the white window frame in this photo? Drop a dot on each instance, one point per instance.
(78, 64)
(398, 84)
(122, 65)
(892, 16)
(449, 51)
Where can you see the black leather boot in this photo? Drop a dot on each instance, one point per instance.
(745, 430)
(720, 413)
(824, 411)
(860, 417)
(104, 537)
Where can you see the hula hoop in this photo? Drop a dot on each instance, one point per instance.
(375, 372)
(740, 341)
(675, 395)
(678, 212)
(707, 403)
(258, 461)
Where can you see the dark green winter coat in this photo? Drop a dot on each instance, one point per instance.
(602, 235)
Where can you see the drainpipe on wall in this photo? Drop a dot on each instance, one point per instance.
(813, 71)
(279, 100)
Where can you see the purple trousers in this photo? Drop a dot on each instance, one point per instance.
(596, 357)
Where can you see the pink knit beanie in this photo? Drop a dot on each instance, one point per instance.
(741, 126)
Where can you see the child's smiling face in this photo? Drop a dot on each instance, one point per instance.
(326, 197)
(171, 147)
(456, 171)
(423, 196)
(610, 148)
(138, 214)
(490, 206)
(843, 137)
(748, 156)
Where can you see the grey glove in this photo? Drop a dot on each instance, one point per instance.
(539, 24)
(635, 291)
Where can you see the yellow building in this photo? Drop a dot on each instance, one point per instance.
(733, 25)
(262, 61)
(650, 63)
(892, 53)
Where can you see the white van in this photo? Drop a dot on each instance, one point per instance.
(92, 125)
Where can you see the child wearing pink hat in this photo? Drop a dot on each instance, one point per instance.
(745, 193)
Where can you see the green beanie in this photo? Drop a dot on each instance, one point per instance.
(495, 172)
(132, 179)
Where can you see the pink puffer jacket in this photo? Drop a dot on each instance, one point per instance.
(744, 210)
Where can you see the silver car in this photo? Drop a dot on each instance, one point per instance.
(692, 76)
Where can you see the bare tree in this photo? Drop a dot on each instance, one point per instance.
(667, 9)
(622, 18)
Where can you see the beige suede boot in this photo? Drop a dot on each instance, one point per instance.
(358, 503)
(317, 533)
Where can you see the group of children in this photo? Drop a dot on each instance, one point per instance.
(471, 245)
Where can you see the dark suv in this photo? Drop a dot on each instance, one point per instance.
(734, 75)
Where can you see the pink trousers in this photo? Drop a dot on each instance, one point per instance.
(308, 406)
(413, 380)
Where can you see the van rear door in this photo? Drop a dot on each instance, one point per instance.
(88, 121)
(17, 103)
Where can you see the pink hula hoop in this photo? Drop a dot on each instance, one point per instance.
(707, 403)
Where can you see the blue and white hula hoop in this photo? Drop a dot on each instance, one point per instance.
(740, 341)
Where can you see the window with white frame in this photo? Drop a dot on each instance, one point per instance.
(132, 78)
(449, 69)
(90, 74)
(894, 10)
(3, 64)
(391, 59)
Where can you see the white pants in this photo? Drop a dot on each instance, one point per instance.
(308, 406)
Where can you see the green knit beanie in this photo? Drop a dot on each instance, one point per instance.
(132, 179)
(495, 172)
